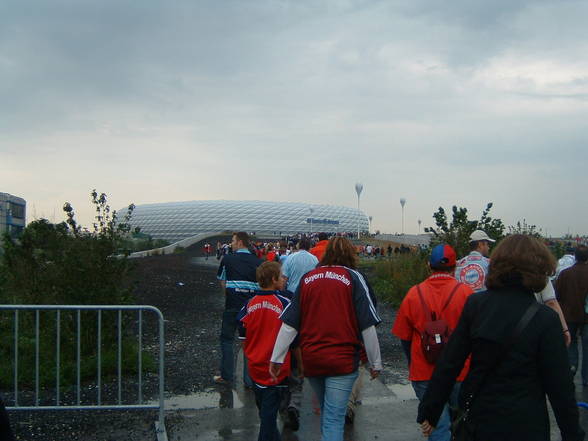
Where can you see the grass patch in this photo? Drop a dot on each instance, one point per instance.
(68, 350)
(392, 278)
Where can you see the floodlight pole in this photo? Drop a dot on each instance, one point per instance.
(358, 190)
(311, 210)
(370, 226)
(402, 202)
(419, 222)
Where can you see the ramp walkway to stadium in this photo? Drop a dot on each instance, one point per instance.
(411, 240)
(185, 243)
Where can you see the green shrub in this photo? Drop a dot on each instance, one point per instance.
(65, 264)
(392, 278)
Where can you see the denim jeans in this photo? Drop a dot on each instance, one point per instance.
(268, 400)
(442, 430)
(227, 339)
(573, 356)
(333, 394)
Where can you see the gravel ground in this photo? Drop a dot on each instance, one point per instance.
(191, 301)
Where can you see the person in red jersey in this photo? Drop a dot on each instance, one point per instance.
(260, 325)
(319, 249)
(332, 314)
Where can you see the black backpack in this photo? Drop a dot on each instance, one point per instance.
(436, 331)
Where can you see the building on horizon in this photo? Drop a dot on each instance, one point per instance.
(13, 212)
(175, 221)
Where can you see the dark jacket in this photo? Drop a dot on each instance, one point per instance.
(238, 270)
(571, 288)
(510, 405)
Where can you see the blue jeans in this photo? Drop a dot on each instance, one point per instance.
(227, 339)
(442, 430)
(333, 394)
(268, 401)
(573, 356)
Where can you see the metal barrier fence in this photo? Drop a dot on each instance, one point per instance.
(99, 404)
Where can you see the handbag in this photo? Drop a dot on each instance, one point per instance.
(461, 427)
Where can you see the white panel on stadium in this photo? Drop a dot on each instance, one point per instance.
(175, 221)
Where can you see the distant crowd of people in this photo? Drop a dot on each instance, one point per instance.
(487, 340)
(280, 249)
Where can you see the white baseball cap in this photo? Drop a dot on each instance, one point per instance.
(480, 235)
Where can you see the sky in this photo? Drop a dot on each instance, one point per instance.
(439, 102)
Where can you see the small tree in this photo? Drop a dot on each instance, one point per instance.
(457, 232)
(524, 228)
(65, 264)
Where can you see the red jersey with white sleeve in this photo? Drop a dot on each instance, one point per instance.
(330, 309)
(410, 319)
(261, 323)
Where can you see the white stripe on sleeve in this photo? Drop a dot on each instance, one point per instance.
(285, 337)
(372, 347)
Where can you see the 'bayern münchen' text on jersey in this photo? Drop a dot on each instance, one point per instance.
(330, 308)
(261, 323)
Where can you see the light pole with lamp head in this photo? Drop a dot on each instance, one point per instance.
(311, 210)
(402, 202)
(419, 222)
(370, 226)
(358, 190)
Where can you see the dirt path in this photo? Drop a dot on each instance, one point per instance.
(190, 298)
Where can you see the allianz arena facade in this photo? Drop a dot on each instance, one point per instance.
(175, 221)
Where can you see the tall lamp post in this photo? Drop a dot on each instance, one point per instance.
(419, 222)
(358, 190)
(402, 202)
(370, 226)
(311, 210)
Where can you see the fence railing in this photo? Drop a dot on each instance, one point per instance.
(97, 401)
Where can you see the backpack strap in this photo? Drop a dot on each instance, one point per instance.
(426, 308)
(450, 296)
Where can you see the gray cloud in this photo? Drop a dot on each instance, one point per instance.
(393, 93)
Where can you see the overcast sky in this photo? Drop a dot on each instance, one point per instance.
(440, 102)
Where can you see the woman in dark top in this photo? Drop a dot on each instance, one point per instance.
(510, 403)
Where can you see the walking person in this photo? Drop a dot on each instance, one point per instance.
(298, 264)
(332, 314)
(260, 324)
(473, 268)
(237, 277)
(572, 288)
(565, 261)
(440, 294)
(518, 355)
(319, 249)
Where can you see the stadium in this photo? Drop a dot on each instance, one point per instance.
(174, 221)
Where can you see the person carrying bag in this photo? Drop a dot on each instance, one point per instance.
(518, 356)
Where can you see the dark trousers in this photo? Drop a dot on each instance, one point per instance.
(268, 402)
(227, 340)
(579, 330)
(5, 431)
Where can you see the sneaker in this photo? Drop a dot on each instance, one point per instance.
(219, 380)
(293, 421)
